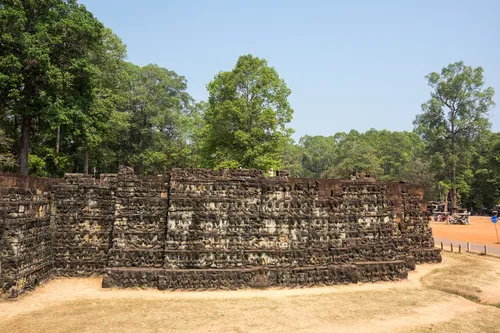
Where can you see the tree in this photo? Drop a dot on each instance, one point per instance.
(483, 188)
(193, 128)
(246, 118)
(44, 61)
(293, 160)
(453, 118)
(318, 153)
(7, 161)
(108, 77)
(70, 136)
(418, 172)
(395, 151)
(154, 121)
(354, 156)
(388, 155)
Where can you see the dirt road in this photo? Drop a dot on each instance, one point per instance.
(480, 231)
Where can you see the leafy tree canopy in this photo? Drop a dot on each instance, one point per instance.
(452, 122)
(246, 117)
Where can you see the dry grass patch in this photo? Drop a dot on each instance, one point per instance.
(316, 313)
(424, 303)
(474, 277)
(485, 319)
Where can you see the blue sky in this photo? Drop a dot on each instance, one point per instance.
(350, 64)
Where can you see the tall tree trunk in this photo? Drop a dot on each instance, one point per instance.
(58, 144)
(446, 201)
(24, 145)
(86, 162)
(453, 200)
(58, 139)
(453, 189)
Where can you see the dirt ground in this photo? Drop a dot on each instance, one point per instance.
(480, 230)
(428, 301)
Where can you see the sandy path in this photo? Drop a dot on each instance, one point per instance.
(481, 230)
(68, 289)
(81, 305)
(368, 308)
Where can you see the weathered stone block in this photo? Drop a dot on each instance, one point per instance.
(210, 229)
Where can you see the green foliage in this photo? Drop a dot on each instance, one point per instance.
(7, 161)
(483, 190)
(84, 127)
(193, 129)
(419, 172)
(395, 152)
(452, 122)
(38, 165)
(245, 122)
(293, 160)
(353, 156)
(64, 84)
(318, 154)
(155, 121)
(45, 64)
(70, 103)
(384, 154)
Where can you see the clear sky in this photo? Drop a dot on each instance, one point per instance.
(350, 64)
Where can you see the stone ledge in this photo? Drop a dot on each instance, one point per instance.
(256, 277)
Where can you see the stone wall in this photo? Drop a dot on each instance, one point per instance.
(206, 229)
(25, 234)
(412, 233)
(83, 217)
(138, 238)
(232, 229)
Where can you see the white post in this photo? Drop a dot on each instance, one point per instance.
(496, 232)
(468, 247)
